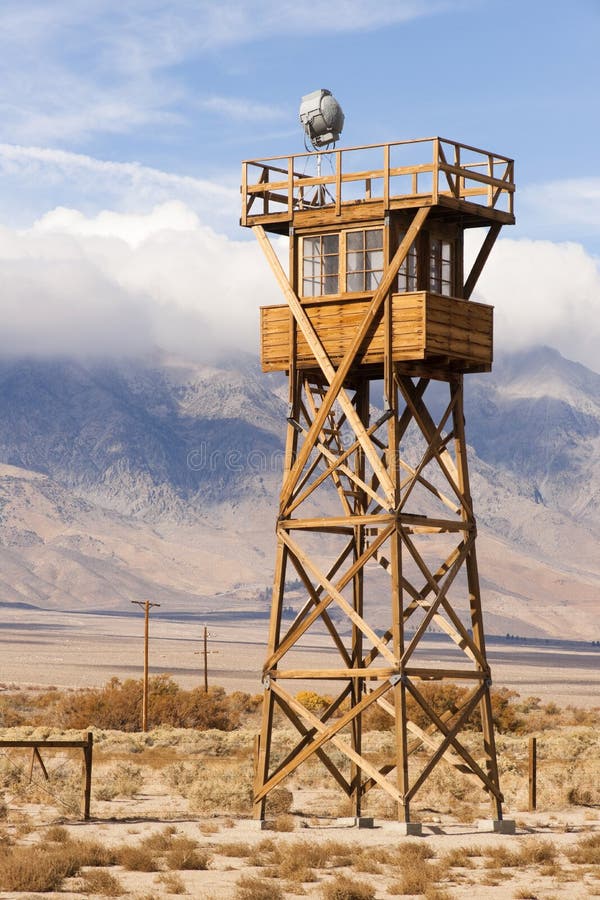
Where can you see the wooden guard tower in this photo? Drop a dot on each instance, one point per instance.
(376, 519)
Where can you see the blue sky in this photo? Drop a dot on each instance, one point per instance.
(122, 126)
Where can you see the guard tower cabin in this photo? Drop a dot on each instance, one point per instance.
(345, 227)
(377, 291)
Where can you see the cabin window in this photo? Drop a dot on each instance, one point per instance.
(407, 273)
(364, 259)
(320, 265)
(440, 266)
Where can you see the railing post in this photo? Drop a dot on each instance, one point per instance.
(532, 774)
(435, 175)
(244, 193)
(386, 176)
(338, 182)
(87, 773)
(290, 186)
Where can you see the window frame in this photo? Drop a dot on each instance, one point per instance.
(343, 269)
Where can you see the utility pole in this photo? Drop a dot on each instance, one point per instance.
(145, 604)
(205, 651)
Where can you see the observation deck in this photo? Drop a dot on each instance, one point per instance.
(356, 184)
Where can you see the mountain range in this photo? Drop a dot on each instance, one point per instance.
(124, 480)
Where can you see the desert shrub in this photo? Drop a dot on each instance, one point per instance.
(183, 853)
(344, 888)
(91, 853)
(172, 883)
(252, 887)
(315, 703)
(57, 834)
(124, 780)
(238, 849)
(138, 859)
(501, 857)
(586, 851)
(415, 877)
(279, 801)
(35, 869)
(101, 883)
(284, 822)
(160, 840)
(118, 705)
(43, 867)
(537, 851)
(222, 786)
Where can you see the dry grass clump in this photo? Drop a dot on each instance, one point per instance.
(160, 840)
(501, 857)
(252, 887)
(43, 868)
(344, 888)
(172, 883)
(56, 834)
(101, 883)
(34, 869)
(537, 851)
(138, 859)
(416, 877)
(239, 849)
(409, 851)
(457, 858)
(284, 822)
(164, 848)
(586, 851)
(222, 785)
(124, 780)
(184, 853)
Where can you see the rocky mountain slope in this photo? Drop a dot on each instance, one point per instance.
(128, 480)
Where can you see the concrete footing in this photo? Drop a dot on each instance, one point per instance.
(497, 826)
(409, 829)
(356, 822)
(257, 824)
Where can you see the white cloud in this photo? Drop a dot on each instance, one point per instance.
(75, 68)
(568, 202)
(544, 293)
(119, 284)
(130, 184)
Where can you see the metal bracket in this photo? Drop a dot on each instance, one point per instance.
(387, 414)
(296, 425)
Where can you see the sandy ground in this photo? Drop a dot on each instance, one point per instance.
(71, 649)
(135, 820)
(76, 650)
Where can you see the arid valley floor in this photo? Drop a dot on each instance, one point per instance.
(159, 827)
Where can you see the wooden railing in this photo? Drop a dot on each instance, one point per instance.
(86, 745)
(428, 168)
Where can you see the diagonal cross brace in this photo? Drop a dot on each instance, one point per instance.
(337, 377)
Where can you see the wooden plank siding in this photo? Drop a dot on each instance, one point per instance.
(424, 325)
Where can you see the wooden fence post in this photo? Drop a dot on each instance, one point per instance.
(87, 773)
(532, 774)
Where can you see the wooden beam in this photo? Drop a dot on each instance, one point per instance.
(328, 370)
(481, 259)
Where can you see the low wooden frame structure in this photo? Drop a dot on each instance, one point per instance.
(377, 505)
(86, 745)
